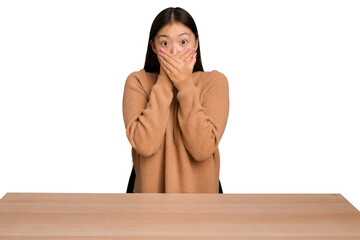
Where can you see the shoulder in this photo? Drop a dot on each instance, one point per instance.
(141, 80)
(211, 78)
(141, 77)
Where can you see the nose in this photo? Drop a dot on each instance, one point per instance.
(175, 49)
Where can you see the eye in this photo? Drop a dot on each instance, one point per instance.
(183, 42)
(164, 43)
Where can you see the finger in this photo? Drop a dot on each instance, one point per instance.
(183, 53)
(166, 64)
(192, 61)
(178, 57)
(165, 69)
(188, 54)
(173, 56)
(168, 59)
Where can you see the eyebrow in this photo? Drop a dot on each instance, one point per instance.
(178, 35)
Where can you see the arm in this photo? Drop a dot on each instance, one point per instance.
(145, 119)
(202, 124)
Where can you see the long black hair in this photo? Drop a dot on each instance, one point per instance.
(166, 16)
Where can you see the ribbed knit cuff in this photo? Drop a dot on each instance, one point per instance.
(184, 84)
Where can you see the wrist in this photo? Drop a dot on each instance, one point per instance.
(184, 83)
(165, 81)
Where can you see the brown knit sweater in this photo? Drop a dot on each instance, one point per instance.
(174, 130)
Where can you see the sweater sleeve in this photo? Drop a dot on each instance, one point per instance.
(146, 117)
(202, 123)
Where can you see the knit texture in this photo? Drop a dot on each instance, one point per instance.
(175, 130)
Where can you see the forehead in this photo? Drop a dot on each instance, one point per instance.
(173, 30)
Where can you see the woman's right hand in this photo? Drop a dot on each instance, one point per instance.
(163, 73)
(162, 70)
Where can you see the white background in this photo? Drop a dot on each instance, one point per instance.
(293, 72)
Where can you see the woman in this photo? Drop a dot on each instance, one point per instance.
(174, 112)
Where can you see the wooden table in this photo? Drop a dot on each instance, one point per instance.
(142, 216)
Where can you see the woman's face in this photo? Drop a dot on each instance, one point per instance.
(173, 38)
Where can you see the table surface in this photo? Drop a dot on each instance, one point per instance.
(135, 216)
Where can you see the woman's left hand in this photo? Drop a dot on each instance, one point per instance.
(178, 67)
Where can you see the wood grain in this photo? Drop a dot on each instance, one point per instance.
(113, 216)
